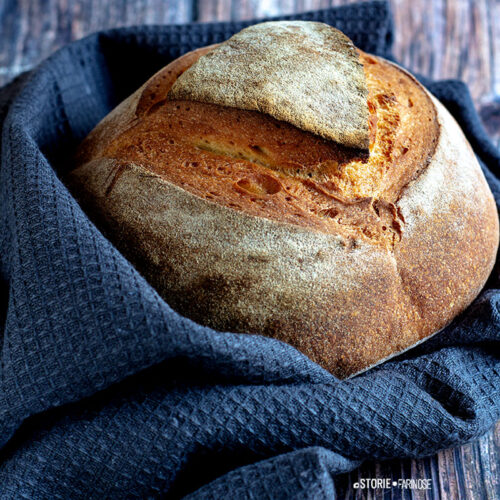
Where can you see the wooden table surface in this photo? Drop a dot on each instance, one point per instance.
(437, 38)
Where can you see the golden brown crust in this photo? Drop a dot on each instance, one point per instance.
(227, 250)
(251, 162)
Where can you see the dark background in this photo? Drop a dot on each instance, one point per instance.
(436, 38)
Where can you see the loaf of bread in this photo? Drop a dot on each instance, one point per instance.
(284, 183)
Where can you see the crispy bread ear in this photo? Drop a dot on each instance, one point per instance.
(305, 73)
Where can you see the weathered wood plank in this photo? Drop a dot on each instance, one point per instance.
(490, 105)
(489, 451)
(470, 472)
(460, 473)
(31, 30)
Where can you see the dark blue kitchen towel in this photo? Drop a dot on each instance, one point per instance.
(106, 392)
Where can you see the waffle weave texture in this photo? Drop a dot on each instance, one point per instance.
(106, 392)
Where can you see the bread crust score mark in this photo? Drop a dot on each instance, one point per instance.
(300, 72)
(349, 259)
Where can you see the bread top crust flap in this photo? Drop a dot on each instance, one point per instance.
(304, 73)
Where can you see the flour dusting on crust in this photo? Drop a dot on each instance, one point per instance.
(305, 73)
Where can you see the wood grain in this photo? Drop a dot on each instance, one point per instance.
(436, 38)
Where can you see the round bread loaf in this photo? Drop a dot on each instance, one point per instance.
(249, 224)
